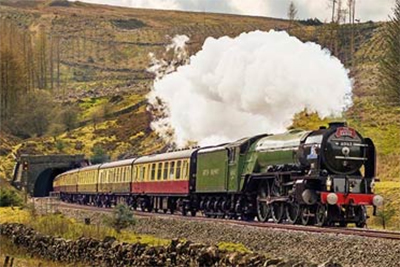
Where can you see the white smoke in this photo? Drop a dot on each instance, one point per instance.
(161, 67)
(251, 84)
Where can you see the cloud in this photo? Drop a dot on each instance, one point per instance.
(366, 9)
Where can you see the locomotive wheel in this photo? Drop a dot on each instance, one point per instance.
(277, 211)
(225, 207)
(305, 217)
(143, 206)
(263, 209)
(362, 217)
(292, 212)
(202, 205)
(321, 215)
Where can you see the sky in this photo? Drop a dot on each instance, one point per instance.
(375, 10)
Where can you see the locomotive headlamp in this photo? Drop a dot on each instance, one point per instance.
(377, 201)
(332, 198)
(328, 183)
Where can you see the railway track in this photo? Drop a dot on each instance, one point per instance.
(369, 233)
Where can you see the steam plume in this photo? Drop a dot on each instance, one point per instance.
(251, 84)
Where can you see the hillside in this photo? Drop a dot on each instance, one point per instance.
(101, 53)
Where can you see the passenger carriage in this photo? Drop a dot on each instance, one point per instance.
(163, 181)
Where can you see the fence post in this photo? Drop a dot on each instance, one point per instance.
(6, 260)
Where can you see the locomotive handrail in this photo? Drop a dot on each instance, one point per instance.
(350, 158)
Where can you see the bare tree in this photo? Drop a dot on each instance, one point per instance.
(333, 10)
(351, 5)
(292, 11)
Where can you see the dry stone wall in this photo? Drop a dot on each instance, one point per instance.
(110, 252)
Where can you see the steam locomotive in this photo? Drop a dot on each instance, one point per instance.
(322, 177)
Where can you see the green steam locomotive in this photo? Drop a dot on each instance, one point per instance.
(321, 177)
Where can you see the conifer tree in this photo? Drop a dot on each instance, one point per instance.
(390, 64)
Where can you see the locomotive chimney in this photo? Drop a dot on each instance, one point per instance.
(337, 124)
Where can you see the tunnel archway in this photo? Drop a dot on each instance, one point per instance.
(44, 182)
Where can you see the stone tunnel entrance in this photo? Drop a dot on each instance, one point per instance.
(44, 182)
(35, 173)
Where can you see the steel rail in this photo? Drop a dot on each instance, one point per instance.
(371, 233)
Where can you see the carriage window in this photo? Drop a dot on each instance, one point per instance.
(136, 173)
(178, 169)
(185, 169)
(165, 173)
(172, 170)
(141, 174)
(159, 171)
(146, 172)
(153, 171)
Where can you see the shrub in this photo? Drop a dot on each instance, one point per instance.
(60, 145)
(9, 197)
(99, 155)
(122, 218)
(385, 214)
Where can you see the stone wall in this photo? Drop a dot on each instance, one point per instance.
(110, 252)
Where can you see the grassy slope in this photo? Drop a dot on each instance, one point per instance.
(105, 54)
(379, 120)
